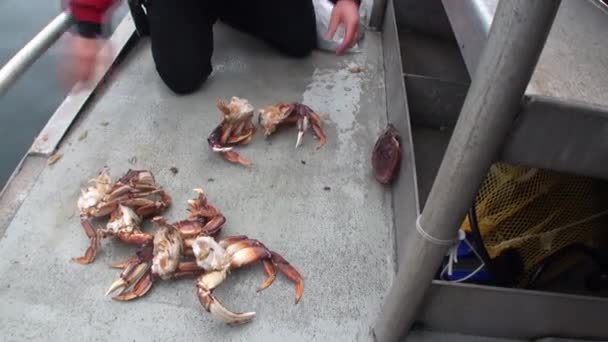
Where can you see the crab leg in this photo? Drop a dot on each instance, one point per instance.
(208, 211)
(234, 157)
(187, 269)
(290, 272)
(244, 138)
(213, 227)
(190, 228)
(271, 274)
(238, 129)
(135, 238)
(155, 208)
(229, 240)
(234, 245)
(248, 251)
(91, 251)
(319, 133)
(315, 122)
(123, 196)
(124, 264)
(247, 256)
(261, 253)
(225, 135)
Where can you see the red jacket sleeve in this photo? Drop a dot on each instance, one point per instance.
(90, 15)
(358, 2)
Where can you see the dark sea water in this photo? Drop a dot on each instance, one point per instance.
(28, 105)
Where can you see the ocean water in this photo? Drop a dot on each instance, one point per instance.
(28, 105)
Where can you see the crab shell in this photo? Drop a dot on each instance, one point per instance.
(270, 117)
(386, 156)
(236, 109)
(91, 197)
(209, 254)
(126, 221)
(168, 248)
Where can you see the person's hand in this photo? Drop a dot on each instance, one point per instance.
(345, 12)
(82, 56)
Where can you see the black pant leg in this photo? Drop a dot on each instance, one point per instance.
(288, 25)
(181, 34)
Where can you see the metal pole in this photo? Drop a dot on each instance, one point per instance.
(21, 62)
(516, 38)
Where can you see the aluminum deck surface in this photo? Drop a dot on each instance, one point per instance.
(322, 210)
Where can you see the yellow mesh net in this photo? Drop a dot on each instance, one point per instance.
(537, 212)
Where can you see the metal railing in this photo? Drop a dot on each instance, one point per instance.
(516, 38)
(31, 52)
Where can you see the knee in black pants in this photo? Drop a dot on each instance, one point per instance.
(182, 80)
(181, 42)
(300, 48)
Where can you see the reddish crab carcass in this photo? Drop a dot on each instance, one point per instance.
(271, 117)
(386, 155)
(160, 257)
(213, 261)
(219, 258)
(133, 197)
(236, 128)
(188, 249)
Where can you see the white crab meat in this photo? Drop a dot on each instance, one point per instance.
(126, 222)
(94, 194)
(270, 117)
(89, 199)
(209, 254)
(238, 108)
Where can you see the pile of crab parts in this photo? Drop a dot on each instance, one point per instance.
(190, 248)
(237, 127)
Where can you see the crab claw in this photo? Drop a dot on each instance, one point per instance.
(136, 271)
(91, 251)
(302, 127)
(206, 283)
(215, 308)
(132, 273)
(139, 289)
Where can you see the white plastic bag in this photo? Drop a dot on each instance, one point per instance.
(323, 9)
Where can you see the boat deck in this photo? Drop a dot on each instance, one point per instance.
(322, 210)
